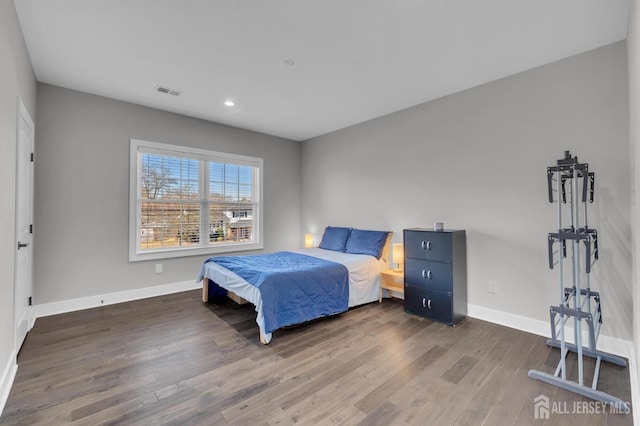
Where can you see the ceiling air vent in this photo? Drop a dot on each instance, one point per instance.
(168, 91)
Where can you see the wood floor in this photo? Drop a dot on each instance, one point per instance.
(174, 360)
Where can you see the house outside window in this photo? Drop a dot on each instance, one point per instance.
(187, 201)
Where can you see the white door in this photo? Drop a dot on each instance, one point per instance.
(24, 237)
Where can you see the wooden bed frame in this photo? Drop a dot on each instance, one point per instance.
(231, 295)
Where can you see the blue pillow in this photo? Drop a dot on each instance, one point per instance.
(335, 238)
(367, 242)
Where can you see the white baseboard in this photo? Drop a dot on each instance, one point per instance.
(612, 345)
(64, 306)
(32, 317)
(6, 380)
(608, 344)
(635, 389)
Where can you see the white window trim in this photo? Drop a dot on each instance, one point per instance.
(134, 235)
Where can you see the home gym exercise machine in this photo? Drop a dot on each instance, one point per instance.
(571, 185)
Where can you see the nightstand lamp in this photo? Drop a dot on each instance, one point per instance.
(398, 255)
(308, 240)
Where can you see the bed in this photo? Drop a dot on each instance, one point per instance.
(342, 272)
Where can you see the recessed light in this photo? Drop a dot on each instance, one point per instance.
(229, 103)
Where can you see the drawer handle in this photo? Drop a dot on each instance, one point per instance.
(426, 245)
(429, 304)
(427, 275)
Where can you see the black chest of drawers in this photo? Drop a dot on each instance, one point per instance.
(435, 274)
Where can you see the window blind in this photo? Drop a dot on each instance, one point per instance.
(190, 199)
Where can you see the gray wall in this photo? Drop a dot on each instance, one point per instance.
(633, 53)
(16, 80)
(477, 160)
(82, 186)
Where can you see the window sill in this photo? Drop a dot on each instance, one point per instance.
(195, 251)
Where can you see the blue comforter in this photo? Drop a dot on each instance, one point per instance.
(294, 287)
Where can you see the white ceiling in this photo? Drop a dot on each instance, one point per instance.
(354, 60)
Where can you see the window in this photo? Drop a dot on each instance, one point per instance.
(187, 201)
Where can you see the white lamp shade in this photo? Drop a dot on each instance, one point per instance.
(398, 253)
(308, 240)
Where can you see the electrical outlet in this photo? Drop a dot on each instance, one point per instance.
(492, 287)
(158, 268)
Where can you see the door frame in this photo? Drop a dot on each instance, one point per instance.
(23, 114)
